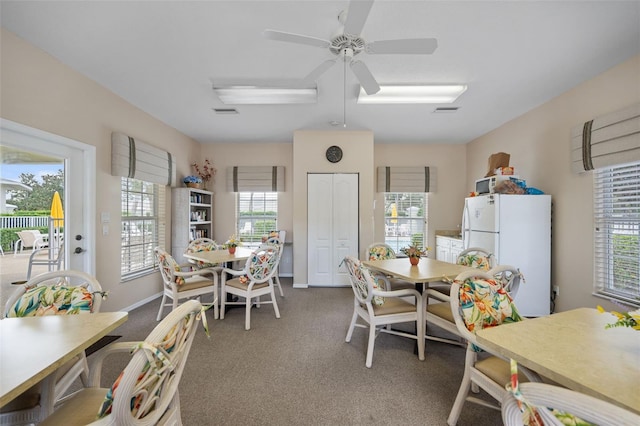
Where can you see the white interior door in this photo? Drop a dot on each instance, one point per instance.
(332, 227)
(79, 177)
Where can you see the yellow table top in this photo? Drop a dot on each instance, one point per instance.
(574, 349)
(425, 271)
(31, 348)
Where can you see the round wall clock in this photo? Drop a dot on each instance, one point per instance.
(334, 153)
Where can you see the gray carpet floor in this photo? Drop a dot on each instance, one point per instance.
(298, 370)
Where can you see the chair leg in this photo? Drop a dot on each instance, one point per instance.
(352, 326)
(421, 337)
(465, 386)
(372, 340)
(164, 298)
(277, 279)
(275, 304)
(247, 315)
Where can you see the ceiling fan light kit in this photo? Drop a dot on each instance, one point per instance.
(413, 94)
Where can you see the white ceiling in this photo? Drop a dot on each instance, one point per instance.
(162, 56)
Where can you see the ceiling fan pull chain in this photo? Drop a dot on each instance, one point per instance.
(344, 98)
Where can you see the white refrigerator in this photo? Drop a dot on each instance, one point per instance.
(517, 230)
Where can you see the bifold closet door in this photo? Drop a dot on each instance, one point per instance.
(332, 227)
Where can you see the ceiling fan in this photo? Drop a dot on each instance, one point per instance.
(348, 44)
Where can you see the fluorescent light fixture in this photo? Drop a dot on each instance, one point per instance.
(417, 94)
(236, 94)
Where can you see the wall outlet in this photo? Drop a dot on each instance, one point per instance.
(556, 290)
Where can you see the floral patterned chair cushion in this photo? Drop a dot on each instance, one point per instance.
(149, 377)
(378, 284)
(485, 303)
(381, 253)
(196, 247)
(475, 261)
(170, 266)
(261, 265)
(52, 300)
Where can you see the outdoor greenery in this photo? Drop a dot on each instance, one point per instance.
(8, 236)
(626, 252)
(39, 198)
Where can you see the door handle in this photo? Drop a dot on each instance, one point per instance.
(78, 250)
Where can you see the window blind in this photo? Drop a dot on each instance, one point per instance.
(255, 179)
(617, 232)
(135, 159)
(406, 179)
(607, 140)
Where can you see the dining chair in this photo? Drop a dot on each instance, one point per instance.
(52, 257)
(439, 313)
(277, 238)
(383, 251)
(30, 238)
(479, 301)
(252, 282)
(379, 307)
(473, 257)
(558, 406)
(183, 282)
(146, 391)
(66, 292)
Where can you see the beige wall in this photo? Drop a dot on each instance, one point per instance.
(538, 142)
(40, 92)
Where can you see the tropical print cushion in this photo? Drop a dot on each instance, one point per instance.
(260, 266)
(475, 261)
(198, 246)
(52, 300)
(148, 379)
(378, 284)
(530, 415)
(484, 303)
(170, 266)
(381, 253)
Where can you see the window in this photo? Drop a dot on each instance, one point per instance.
(405, 219)
(141, 225)
(257, 214)
(617, 232)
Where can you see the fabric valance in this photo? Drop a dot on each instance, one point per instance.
(255, 179)
(135, 159)
(406, 179)
(607, 140)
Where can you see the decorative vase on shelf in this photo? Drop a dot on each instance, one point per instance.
(232, 250)
(414, 260)
(194, 185)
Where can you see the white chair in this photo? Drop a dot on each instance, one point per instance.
(565, 403)
(382, 251)
(253, 281)
(471, 292)
(51, 257)
(181, 282)
(439, 313)
(31, 299)
(379, 307)
(277, 238)
(146, 392)
(473, 257)
(30, 238)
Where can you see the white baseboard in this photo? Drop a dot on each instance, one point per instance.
(142, 302)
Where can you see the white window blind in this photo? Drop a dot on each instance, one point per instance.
(142, 225)
(257, 214)
(617, 232)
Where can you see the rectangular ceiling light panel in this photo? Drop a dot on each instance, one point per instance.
(254, 95)
(418, 94)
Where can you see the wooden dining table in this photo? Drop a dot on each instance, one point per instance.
(427, 270)
(32, 348)
(574, 349)
(220, 256)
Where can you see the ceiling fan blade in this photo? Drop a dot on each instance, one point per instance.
(366, 79)
(319, 70)
(356, 16)
(294, 38)
(422, 46)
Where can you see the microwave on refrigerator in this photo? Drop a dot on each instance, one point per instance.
(488, 184)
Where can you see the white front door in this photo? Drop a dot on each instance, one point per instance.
(79, 187)
(332, 227)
